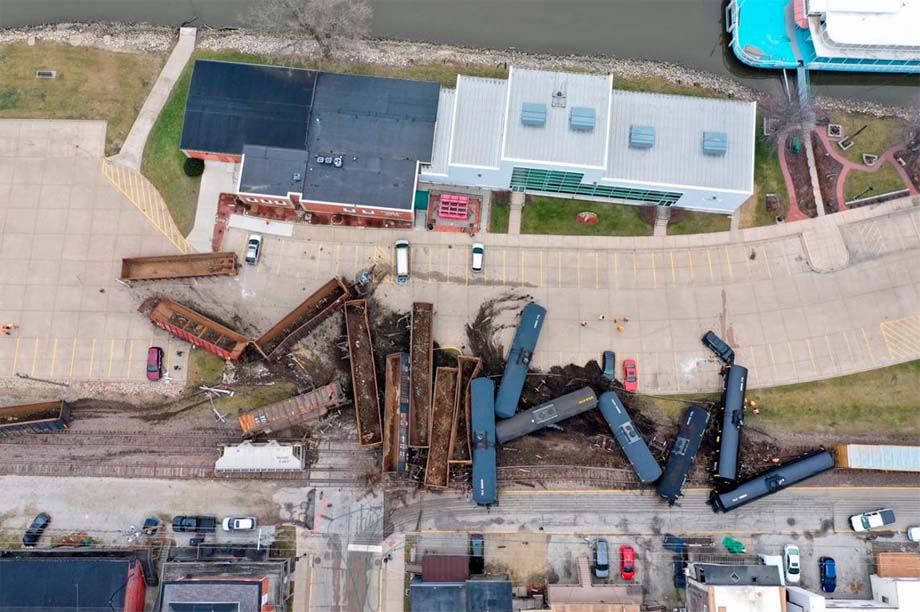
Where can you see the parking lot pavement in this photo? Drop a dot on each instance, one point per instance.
(788, 323)
(63, 232)
(106, 508)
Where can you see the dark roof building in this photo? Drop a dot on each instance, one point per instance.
(330, 139)
(231, 105)
(236, 595)
(469, 596)
(71, 584)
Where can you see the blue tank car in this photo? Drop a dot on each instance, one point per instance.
(683, 453)
(772, 481)
(732, 421)
(525, 341)
(485, 488)
(634, 447)
(546, 414)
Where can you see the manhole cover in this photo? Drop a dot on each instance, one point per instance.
(587, 218)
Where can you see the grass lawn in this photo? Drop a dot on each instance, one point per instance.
(692, 222)
(878, 137)
(883, 180)
(543, 215)
(90, 84)
(206, 368)
(659, 85)
(879, 403)
(501, 211)
(768, 178)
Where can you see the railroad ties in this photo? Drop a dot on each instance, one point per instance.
(420, 364)
(445, 395)
(363, 374)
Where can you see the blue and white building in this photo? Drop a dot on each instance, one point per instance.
(575, 135)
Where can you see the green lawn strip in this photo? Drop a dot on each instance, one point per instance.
(545, 215)
(693, 222)
(500, 213)
(884, 180)
(89, 84)
(768, 178)
(880, 134)
(881, 403)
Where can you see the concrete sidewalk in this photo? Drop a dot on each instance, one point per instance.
(132, 152)
(218, 177)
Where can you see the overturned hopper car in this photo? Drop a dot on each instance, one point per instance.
(33, 418)
(544, 415)
(726, 468)
(298, 410)
(525, 342)
(683, 453)
(772, 481)
(626, 435)
(485, 471)
(197, 329)
(165, 267)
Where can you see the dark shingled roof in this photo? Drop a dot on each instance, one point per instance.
(469, 596)
(758, 575)
(29, 584)
(381, 128)
(273, 171)
(231, 105)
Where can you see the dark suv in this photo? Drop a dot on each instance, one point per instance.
(35, 530)
(720, 347)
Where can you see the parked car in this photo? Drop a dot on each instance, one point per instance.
(402, 262)
(36, 529)
(871, 520)
(479, 254)
(828, 574)
(609, 365)
(630, 375)
(194, 524)
(720, 347)
(601, 559)
(154, 363)
(793, 563)
(254, 249)
(627, 562)
(239, 523)
(913, 533)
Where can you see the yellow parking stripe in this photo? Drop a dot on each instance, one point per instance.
(728, 263)
(34, 358)
(53, 358)
(673, 270)
(92, 359)
(868, 346)
(795, 370)
(709, 259)
(73, 354)
(128, 359)
(15, 357)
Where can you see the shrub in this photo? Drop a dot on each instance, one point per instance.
(193, 166)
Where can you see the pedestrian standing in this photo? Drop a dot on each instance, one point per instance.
(625, 319)
(584, 324)
(617, 319)
(11, 326)
(601, 317)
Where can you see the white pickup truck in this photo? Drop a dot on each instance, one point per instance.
(871, 520)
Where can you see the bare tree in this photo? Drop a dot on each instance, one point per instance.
(780, 114)
(324, 22)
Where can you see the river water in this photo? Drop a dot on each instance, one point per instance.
(686, 32)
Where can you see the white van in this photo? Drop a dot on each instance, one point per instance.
(402, 262)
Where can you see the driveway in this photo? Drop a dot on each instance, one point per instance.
(63, 232)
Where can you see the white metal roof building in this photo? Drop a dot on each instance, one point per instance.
(871, 29)
(573, 135)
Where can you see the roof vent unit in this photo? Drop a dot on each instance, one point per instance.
(533, 114)
(297, 177)
(559, 99)
(641, 137)
(582, 119)
(337, 161)
(715, 143)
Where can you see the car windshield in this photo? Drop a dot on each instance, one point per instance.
(865, 522)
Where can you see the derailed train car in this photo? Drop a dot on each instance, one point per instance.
(525, 341)
(683, 453)
(772, 481)
(544, 415)
(726, 467)
(626, 435)
(485, 471)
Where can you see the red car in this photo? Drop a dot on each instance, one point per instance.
(154, 363)
(630, 375)
(627, 562)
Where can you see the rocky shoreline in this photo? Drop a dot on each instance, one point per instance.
(142, 38)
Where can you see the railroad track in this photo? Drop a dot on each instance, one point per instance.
(116, 439)
(593, 476)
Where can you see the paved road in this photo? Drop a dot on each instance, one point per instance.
(757, 288)
(802, 509)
